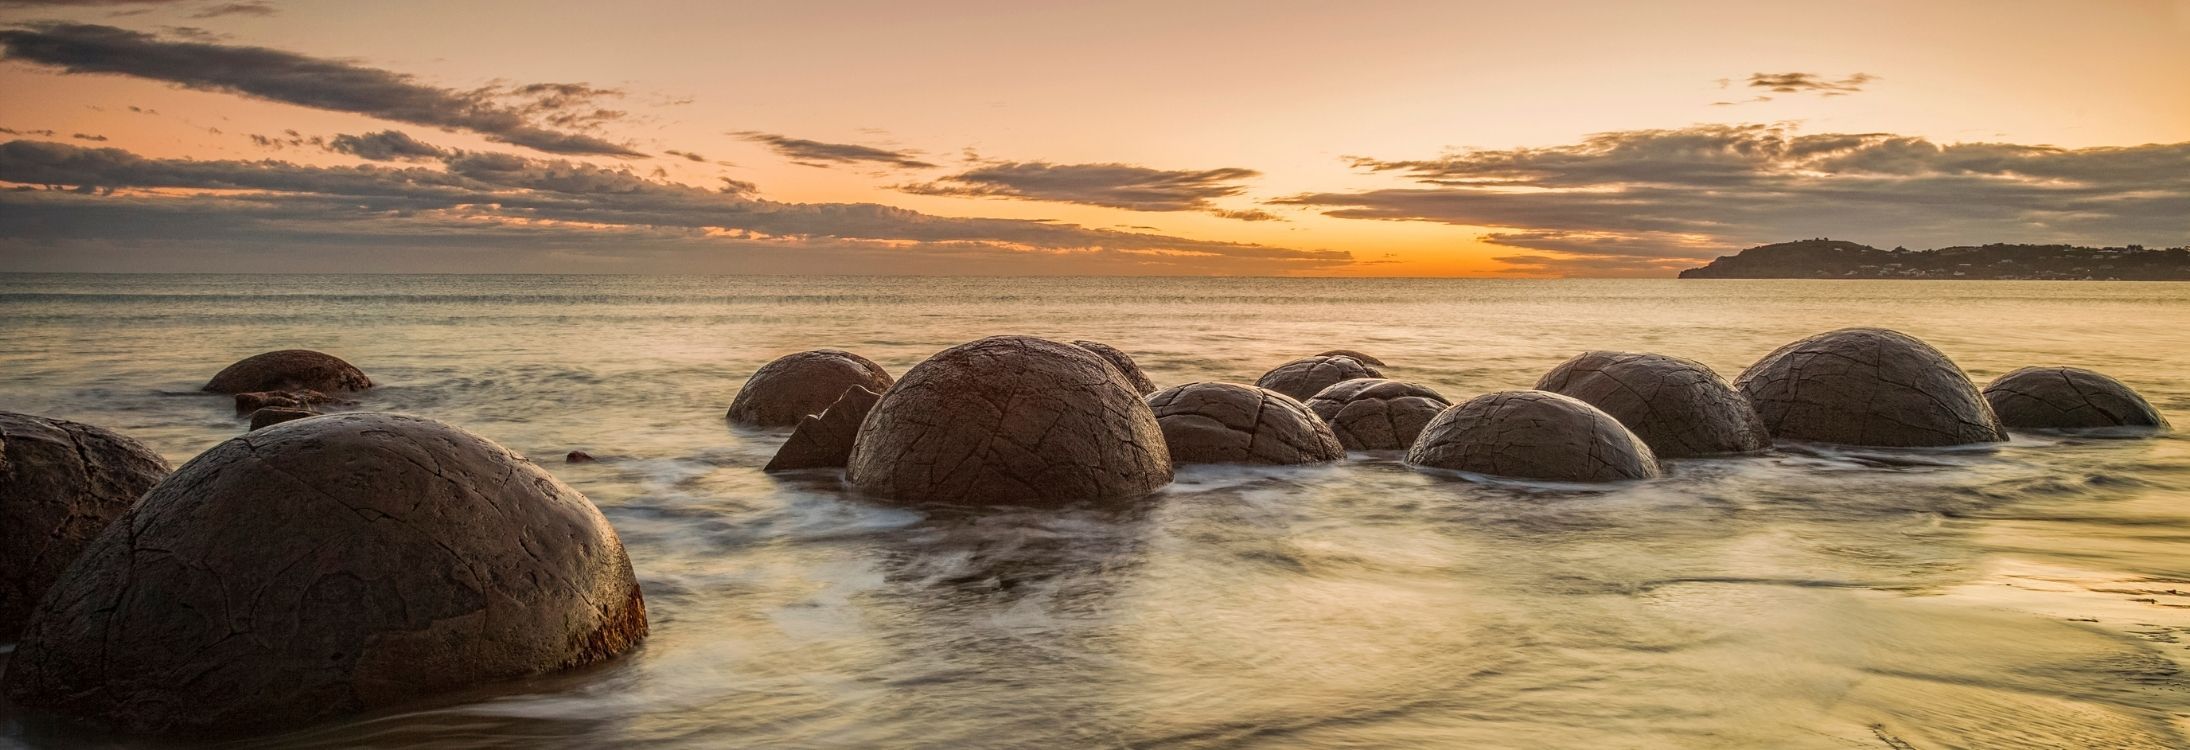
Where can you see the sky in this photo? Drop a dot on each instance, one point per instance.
(1395, 138)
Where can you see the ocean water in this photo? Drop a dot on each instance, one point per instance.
(2033, 594)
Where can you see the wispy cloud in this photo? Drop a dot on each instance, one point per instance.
(1126, 186)
(385, 145)
(518, 115)
(820, 154)
(253, 8)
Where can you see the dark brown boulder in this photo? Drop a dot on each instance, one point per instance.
(61, 482)
(1679, 406)
(247, 403)
(1364, 358)
(2068, 398)
(579, 457)
(1125, 364)
(782, 392)
(1374, 414)
(1010, 420)
(274, 415)
(1868, 386)
(289, 370)
(1303, 378)
(1229, 423)
(1533, 435)
(324, 567)
(824, 441)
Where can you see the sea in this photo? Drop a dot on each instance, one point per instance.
(2030, 594)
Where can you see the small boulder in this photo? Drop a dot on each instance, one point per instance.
(1229, 423)
(1303, 378)
(824, 441)
(1364, 358)
(61, 483)
(1533, 435)
(579, 457)
(1124, 362)
(1868, 386)
(274, 415)
(289, 370)
(1679, 406)
(2068, 398)
(298, 399)
(795, 385)
(325, 567)
(1010, 420)
(1374, 414)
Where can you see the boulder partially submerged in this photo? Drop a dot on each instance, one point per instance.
(1010, 420)
(1364, 358)
(1303, 378)
(1870, 387)
(2068, 398)
(1370, 414)
(1533, 435)
(61, 483)
(274, 415)
(324, 567)
(1229, 423)
(824, 441)
(1679, 406)
(784, 391)
(289, 370)
(1125, 364)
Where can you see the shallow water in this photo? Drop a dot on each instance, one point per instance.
(2032, 595)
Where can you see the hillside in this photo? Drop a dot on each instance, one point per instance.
(1836, 259)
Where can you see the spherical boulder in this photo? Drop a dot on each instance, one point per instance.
(795, 385)
(1010, 420)
(1229, 423)
(1679, 406)
(1365, 359)
(1871, 387)
(1124, 362)
(1533, 435)
(1374, 414)
(323, 567)
(61, 483)
(1303, 378)
(289, 370)
(2068, 398)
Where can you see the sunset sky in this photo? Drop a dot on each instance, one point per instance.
(1266, 138)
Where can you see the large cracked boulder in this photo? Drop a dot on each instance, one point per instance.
(1533, 435)
(1374, 414)
(784, 391)
(1014, 420)
(1868, 386)
(1679, 406)
(824, 441)
(1229, 423)
(289, 370)
(1125, 364)
(1303, 378)
(323, 567)
(2068, 398)
(61, 483)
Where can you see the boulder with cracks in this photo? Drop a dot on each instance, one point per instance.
(1010, 420)
(824, 441)
(1679, 406)
(1371, 414)
(61, 483)
(1125, 364)
(289, 370)
(1303, 378)
(793, 386)
(325, 567)
(1533, 435)
(1870, 387)
(2068, 398)
(1229, 423)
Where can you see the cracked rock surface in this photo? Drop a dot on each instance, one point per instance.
(2067, 398)
(1364, 358)
(1125, 364)
(289, 370)
(1679, 406)
(324, 567)
(1533, 435)
(1868, 386)
(793, 386)
(1010, 420)
(61, 482)
(274, 415)
(1372, 414)
(825, 440)
(1303, 378)
(1229, 423)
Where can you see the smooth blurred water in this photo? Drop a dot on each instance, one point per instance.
(2032, 595)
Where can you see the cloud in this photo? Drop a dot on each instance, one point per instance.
(1809, 83)
(385, 145)
(1624, 201)
(818, 154)
(1126, 186)
(87, 137)
(511, 115)
(235, 9)
(688, 156)
(503, 206)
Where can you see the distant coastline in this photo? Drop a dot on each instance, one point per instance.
(1836, 259)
